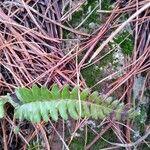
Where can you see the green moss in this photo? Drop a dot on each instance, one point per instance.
(76, 18)
(94, 17)
(127, 44)
(140, 120)
(90, 74)
(143, 146)
(78, 143)
(94, 72)
(80, 15)
(109, 136)
(35, 145)
(66, 34)
(106, 4)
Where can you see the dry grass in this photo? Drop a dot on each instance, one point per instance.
(32, 50)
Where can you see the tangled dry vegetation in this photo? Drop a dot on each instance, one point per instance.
(40, 43)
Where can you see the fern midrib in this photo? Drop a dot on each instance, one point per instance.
(102, 106)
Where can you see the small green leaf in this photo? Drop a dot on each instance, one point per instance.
(94, 110)
(62, 107)
(24, 94)
(79, 109)
(72, 110)
(86, 110)
(93, 96)
(35, 117)
(74, 93)
(36, 93)
(44, 110)
(109, 100)
(54, 110)
(114, 104)
(84, 94)
(99, 100)
(55, 92)
(19, 113)
(65, 94)
(106, 110)
(101, 115)
(120, 107)
(2, 112)
(45, 94)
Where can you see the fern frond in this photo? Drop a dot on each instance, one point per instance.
(3, 100)
(2, 112)
(41, 104)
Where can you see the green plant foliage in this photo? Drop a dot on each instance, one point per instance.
(38, 103)
(3, 100)
(2, 112)
(35, 145)
(78, 143)
(106, 5)
(94, 73)
(140, 120)
(83, 12)
(127, 44)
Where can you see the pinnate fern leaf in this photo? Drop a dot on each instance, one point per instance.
(39, 103)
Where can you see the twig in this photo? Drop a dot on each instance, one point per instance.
(44, 136)
(133, 143)
(4, 135)
(67, 148)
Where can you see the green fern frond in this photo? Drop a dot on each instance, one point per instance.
(41, 104)
(2, 112)
(3, 100)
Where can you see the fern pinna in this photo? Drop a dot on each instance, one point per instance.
(38, 103)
